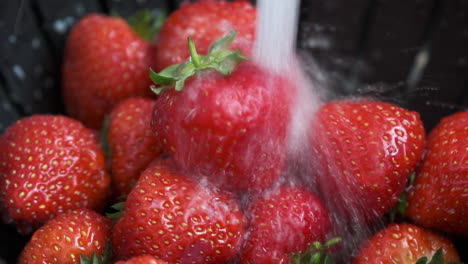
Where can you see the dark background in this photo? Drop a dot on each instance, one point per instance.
(364, 47)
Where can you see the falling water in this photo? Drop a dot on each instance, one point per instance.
(275, 49)
(276, 33)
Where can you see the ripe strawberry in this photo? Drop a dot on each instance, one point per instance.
(65, 238)
(132, 142)
(178, 220)
(143, 259)
(439, 197)
(405, 244)
(220, 111)
(49, 165)
(206, 21)
(283, 221)
(366, 151)
(105, 62)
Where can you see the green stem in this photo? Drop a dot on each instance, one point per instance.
(193, 53)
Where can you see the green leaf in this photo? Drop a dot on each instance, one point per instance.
(438, 257)
(402, 204)
(422, 260)
(317, 245)
(400, 207)
(223, 42)
(332, 242)
(147, 23)
(219, 59)
(315, 259)
(119, 208)
(316, 254)
(156, 90)
(164, 77)
(95, 259)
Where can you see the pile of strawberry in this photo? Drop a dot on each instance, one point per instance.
(197, 162)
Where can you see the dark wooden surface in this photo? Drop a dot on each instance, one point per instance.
(363, 47)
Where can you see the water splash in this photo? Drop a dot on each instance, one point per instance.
(275, 49)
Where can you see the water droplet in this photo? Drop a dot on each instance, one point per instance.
(6, 106)
(79, 8)
(318, 42)
(19, 72)
(36, 43)
(12, 39)
(60, 26)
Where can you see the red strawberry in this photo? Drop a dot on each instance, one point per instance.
(105, 62)
(366, 151)
(439, 197)
(227, 123)
(143, 259)
(206, 21)
(50, 165)
(178, 220)
(63, 239)
(132, 142)
(283, 221)
(405, 244)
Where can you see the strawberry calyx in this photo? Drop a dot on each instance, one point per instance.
(106, 257)
(437, 258)
(400, 207)
(147, 23)
(316, 253)
(119, 209)
(219, 58)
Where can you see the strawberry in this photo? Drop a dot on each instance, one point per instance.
(49, 165)
(132, 142)
(283, 221)
(143, 259)
(216, 110)
(206, 21)
(105, 62)
(176, 219)
(439, 197)
(365, 152)
(64, 239)
(405, 244)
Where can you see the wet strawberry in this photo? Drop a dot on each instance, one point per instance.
(63, 239)
(283, 221)
(132, 142)
(49, 165)
(405, 244)
(439, 197)
(206, 21)
(178, 220)
(105, 62)
(365, 152)
(225, 121)
(143, 259)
